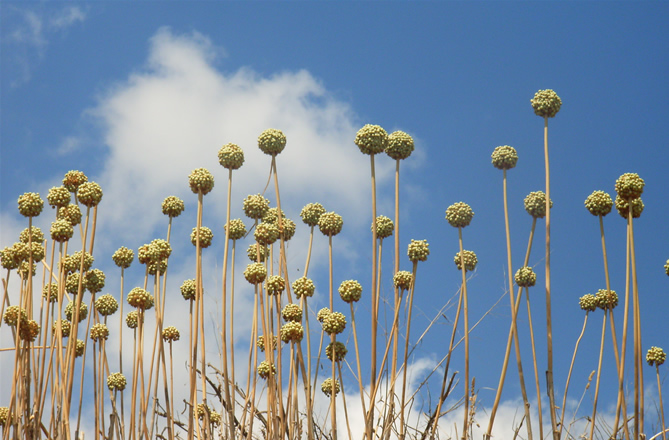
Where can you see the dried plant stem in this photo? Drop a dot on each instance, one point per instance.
(375, 316)
(599, 372)
(534, 359)
(357, 360)
(465, 312)
(659, 390)
(638, 356)
(571, 368)
(230, 405)
(623, 345)
(406, 350)
(343, 396)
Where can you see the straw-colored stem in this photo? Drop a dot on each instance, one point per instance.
(623, 345)
(224, 316)
(374, 323)
(599, 374)
(659, 390)
(571, 368)
(536, 369)
(357, 359)
(343, 396)
(638, 357)
(465, 313)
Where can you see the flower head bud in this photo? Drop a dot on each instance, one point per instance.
(384, 227)
(350, 291)
(330, 223)
(65, 328)
(606, 299)
(36, 250)
(188, 289)
(275, 285)
(58, 197)
(123, 257)
(459, 215)
(73, 179)
(322, 314)
(272, 141)
(72, 283)
(337, 350)
(89, 194)
(525, 277)
(504, 157)
(303, 287)
(50, 292)
(30, 331)
(201, 180)
(400, 145)
(629, 186)
(79, 348)
(69, 310)
(655, 356)
(265, 369)
(334, 323)
(469, 257)
(418, 250)
(535, 204)
(4, 416)
(272, 216)
(30, 204)
(326, 387)
(106, 305)
(206, 237)
(260, 343)
(287, 229)
(23, 269)
(231, 156)
(256, 251)
(61, 230)
(623, 207)
(237, 229)
(173, 206)
(403, 279)
(666, 267)
(170, 334)
(116, 382)
(371, 139)
(13, 314)
(546, 103)
(37, 235)
(132, 319)
(95, 280)
(292, 312)
(255, 206)
(204, 410)
(99, 332)
(292, 332)
(266, 233)
(10, 257)
(588, 302)
(599, 203)
(71, 213)
(140, 298)
(255, 273)
(311, 213)
(73, 263)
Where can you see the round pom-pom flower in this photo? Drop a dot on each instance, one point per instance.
(30, 330)
(132, 319)
(311, 213)
(73, 179)
(535, 204)
(418, 250)
(400, 145)
(606, 299)
(123, 257)
(173, 206)
(10, 258)
(337, 350)
(326, 387)
(72, 283)
(459, 215)
(546, 103)
(260, 343)
(469, 258)
(403, 279)
(50, 292)
(89, 194)
(257, 252)
(58, 197)
(25, 272)
(206, 237)
(655, 356)
(37, 235)
(350, 291)
(292, 332)
(330, 223)
(255, 206)
(13, 314)
(292, 312)
(75, 262)
(106, 305)
(71, 213)
(504, 157)
(170, 334)
(275, 285)
(201, 180)
(116, 382)
(266, 233)
(95, 280)
(4, 415)
(79, 348)
(322, 314)
(65, 328)
(265, 369)
(237, 229)
(231, 156)
(99, 332)
(599, 203)
(525, 277)
(188, 289)
(69, 309)
(30, 204)
(629, 186)
(255, 273)
(334, 323)
(384, 227)
(36, 250)
(371, 139)
(588, 302)
(272, 141)
(303, 287)
(140, 298)
(623, 207)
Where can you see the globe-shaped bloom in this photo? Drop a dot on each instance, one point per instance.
(30, 204)
(99, 332)
(69, 311)
(588, 302)
(629, 186)
(123, 257)
(272, 141)
(418, 250)
(73, 179)
(371, 139)
(33, 234)
(173, 206)
(170, 334)
(599, 203)
(292, 332)
(255, 206)
(535, 204)
(504, 157)
(116, 382)
(459, 215)
(606, 299)
(327, 385)
(334, 323)
(350, 291)
(330, 223)
(311, 213)
(655, 356)
(384, 227)
(206, 237)
(336, 350)
(237, 229)
(58, 197)
(257, 253)
(95, 280)
(275, 285)
(140, 298)
(188, 289)
(133, 318)
(255, 273)
(231, 156)
(469, 258)
(70, 213)
(89, 194)
(622, 206)
(201, 180)
(265, 369)
(400, 145)
(546, 103)
(525, 277)
(292, 312)
(106, 305)
(403, 279)
(303, 287)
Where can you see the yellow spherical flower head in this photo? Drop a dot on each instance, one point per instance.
(287, 229)
(384, 227)
(10, 258)
(140, 298)
(69, 309)
(50, 292)
(106, 305)
(255, 206)
(231, 156)
(623, 207)
(30, 204)
(311, 213)
(588, 302)
(322, 314)
(666, 267)
(30, 331)
(89, 194)
(188, 289)
(65, 328)
(292, 312)
(257, 252)
(99, 332)
(535, 204)
(629, 186)
(403, 279)
(418, 250)
(327, 385)
(123, 257)
(260, 343)
(79, 348)
(75, 262)
(272, 141)
(170, 334)
(71, 213)
(265, 369)
(292, 332)
(469, 258)
(330, 223)
(36, 250)
(303, 287)
(546, 103)
(33, 234)
(371, 139)
(72, 283)
(599, 203)
(116, 382)
(13, 314)
(525, 277)
(201, 180)
(132, 319)
(4, 416)
(61, 231)
(255, 273)
(350, 291)
(275, 285)
(25, 272)
(504, 157)
(334, 323)
(237, 229)
(206, 237)
(58, 197)
(459, 215)
(337, 350)
(655, 356)
(73, 179)
(606, 299)
(400, 145)
(95, 281)
(266, 233)
(204, 410)
(173, 206)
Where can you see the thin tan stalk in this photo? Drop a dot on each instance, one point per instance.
(659, 390)
(571, 368)
(599, 372)
(224, 351)
(465, 312)
(357, 360)
(623, 348)
(406, 351)
(638, 357)
(534, 359)
(375, 317)
(343, 396)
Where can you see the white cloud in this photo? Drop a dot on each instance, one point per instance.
(67, 17)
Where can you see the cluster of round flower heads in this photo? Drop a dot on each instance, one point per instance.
(133, 318)
(123, 257)
(255, 206)
(459, 215)
(599, 203)
(334, 323)
(173, 206)
(623, 207)
(70, 213)
(292, 312)
(77, 262)
(275, 285)
(322, 314)
(201, 180)
(99, 332)
(89, 194)
(95, 280)
(403, 279)
(266, 233)
(327, 385)
(116, 382)
(371, 139)
(170, 334)
(336, 350)
(203, 410)
(400, 145)
(58, 197)
(535, 204)
(33, 234)
(272, 141)
(350, 291)
(504, 157)
(330, 223)
(265, 369)
(140, 298)
(255, 273)
(237, 229)
(311, 213)
(30, 204)
(384, 227)
(303, 286)
(525, 277)
(206, 237)
(292, 332)
(73, 179)
(188, 289)
(469, 258)
(606, 299)
(588, 302)
(418, 250)
(546, 103)
(106, 305)
(655, 356)
(4, 415)
(629, 188)
(231, 156)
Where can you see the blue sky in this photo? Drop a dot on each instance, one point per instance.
(138, 94)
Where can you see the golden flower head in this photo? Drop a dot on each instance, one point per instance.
(292, 312)
(50, 292)
(599, 203)
(116, 382)
(334, 323)
(69, 311)
(231, 156)
(546, 103)
(173, 206)
(106, 305)
(322, 314)
(140, 298)
(206, 237)
(303, 287)
(606, 299)
(255, 206)
(327, 385)
(655, 356)
(73, 179)
(95, 280)
(237, 229)
(30, 204)
(79, 348)
(89, 194)
(13, 314)
(265, 369)
(275, 285)
(469, 258)
(403, 279)
(257, 253)
(504, 157)
(330, 223)
(384, 227)
(418, 250)
(629, 186)
(72, 283)
(99, 332)
(400, 145)
(132, 319)
(58, 197)
(588, 302)
(292, 331)
(535, 204)
(623, 207)
(30, 330)
(170, 334)
(61, 230)
(459, 215)
(525, 277)
(71, 213)
(272, 141)
(33, 234)
(371, 139)
(201, 180)
(337, 350)
(123, 257)
(188, 289)
(266, 233)
(350, 291)
(255, 273)
(311, 213)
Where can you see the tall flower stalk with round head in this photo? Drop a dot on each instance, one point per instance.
(546, 104)
(656, 357)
